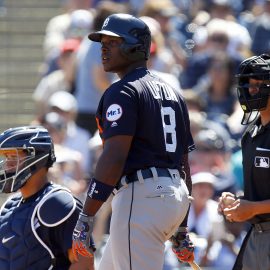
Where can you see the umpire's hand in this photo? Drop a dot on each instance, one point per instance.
(83, 243)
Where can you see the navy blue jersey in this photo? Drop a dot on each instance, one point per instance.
(145, 107)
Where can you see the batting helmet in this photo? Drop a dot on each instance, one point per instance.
(23, 151)
(136, 35)
(258, 68)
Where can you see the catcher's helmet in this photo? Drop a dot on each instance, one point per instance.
(258, 68)
(134, 31)
(23, 151)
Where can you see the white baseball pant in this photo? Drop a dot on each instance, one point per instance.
(145, 214)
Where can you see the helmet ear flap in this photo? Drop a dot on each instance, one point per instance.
(49, 162)
(51, 159)
(132, 51)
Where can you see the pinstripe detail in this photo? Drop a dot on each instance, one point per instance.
(129, 240)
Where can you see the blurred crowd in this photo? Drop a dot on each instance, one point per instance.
(197, 46)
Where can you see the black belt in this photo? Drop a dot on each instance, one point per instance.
(146, 173)
(261, 227)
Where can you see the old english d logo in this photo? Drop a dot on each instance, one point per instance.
(262, 162)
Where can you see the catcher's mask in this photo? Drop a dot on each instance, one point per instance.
(23, 151)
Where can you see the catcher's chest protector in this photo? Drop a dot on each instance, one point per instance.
(19, 248)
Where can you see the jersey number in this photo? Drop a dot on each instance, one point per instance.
(169, 128)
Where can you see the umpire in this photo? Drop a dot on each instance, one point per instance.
(254, 207)
(145, 129)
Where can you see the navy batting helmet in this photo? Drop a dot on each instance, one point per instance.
(134, 31)
(23, 151)
(258, 68)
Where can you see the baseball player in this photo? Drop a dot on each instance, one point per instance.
(254, 207)
(36, 223)
(145, 129)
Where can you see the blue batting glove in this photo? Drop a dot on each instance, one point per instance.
(182, 246)
(83, 242)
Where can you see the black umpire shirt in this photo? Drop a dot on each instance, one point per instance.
(256, 157)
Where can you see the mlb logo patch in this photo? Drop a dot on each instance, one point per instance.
(261, 162)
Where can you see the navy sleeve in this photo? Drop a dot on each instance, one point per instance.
(119, 112)
(63, 233)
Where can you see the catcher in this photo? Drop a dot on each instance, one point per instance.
(36, 222)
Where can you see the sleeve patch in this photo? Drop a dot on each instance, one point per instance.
(114, 112)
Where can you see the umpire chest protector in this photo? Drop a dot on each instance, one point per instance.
(25, 225)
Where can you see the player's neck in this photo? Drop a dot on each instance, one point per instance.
(265, 116)
(121, 74)
(34, 183)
